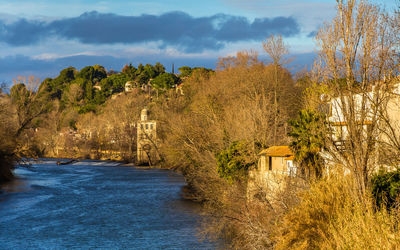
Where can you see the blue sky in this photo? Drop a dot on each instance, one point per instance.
(41, 37)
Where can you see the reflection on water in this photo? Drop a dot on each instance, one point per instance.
(96, 205)
(18, 185)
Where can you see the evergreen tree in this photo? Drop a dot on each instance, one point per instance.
(307, 133)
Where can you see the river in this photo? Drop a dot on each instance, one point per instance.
(94, 204)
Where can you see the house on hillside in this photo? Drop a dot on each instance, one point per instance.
(370, 119)
(129, 86)
(338, 120)
(275, 164)
(277, 159)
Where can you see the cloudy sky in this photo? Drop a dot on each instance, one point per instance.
(41, 37)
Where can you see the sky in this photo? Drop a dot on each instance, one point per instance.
(42, 37)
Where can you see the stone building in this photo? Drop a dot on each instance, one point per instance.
(146, 140)
(275, 164)
(278, 159)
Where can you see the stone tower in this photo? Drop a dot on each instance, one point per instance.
(146, 139)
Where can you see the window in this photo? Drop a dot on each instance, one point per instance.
(141, 126)
(147, 126)
(151, 126)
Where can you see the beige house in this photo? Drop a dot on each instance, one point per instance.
(278, 159)
(274, 165)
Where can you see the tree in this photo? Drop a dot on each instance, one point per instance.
(67, 74)
(234, 162)
(99, 73)
(7, 138)
(140, 69)
(129, 70)
(89, 91)
(164, 81)
(114, 84)
(55, 87)
(73, 95)
(150, 71)
(357, 64)
(143, 78)
(30, 102)
(307, 132)
(185, 71)
(276, 49)
(159, 68)
(87, 73)
(48, 85)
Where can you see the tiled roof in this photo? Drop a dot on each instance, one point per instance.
(282, 151)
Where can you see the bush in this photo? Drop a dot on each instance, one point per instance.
(386, 188)
(233, 162)
(87, 108)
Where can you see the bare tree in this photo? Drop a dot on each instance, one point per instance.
(357, 64)
(277, 50)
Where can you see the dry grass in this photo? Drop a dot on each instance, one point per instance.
(331, 216)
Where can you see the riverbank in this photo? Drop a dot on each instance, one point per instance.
(6, 167)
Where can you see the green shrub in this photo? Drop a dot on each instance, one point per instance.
(386, 188)
(233, 162)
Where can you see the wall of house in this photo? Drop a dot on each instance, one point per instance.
(393, 129)
(279, 164)
(393, 110)
(336, 112)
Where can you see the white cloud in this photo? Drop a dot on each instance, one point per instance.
(54, 56)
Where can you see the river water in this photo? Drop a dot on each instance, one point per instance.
(97, 205)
